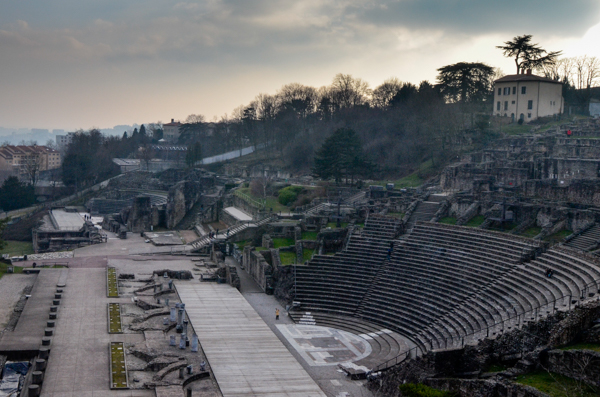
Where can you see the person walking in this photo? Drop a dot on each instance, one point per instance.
(277, 313)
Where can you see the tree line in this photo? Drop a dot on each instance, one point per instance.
(399, 124)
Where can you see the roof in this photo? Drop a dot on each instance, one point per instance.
(525, 77)
(121, 162)
(9, 151)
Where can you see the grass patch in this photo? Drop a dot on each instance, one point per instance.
(270, 202)
(283, 242)
(118, 369)
(420, 390)
(17, 248)
(583, 346)
(532, 231)
(309, 235)
(476, 221)
(515, 129)
(555, 385)
(260, 249)
(112, 286)
(287, 258)
(242, 244)
(558, 236)
(333, 225)
(448, 220)
(4, 269)
(114, 319)
(307, 254)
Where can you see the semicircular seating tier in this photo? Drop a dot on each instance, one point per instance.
(444, 285)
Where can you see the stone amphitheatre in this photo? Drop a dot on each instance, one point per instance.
(168, 284)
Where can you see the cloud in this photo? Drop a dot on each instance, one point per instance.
(256, 46)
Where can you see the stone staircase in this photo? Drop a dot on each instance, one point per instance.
(355, 198)
(587, 240)
(205, 240)
(426, 210)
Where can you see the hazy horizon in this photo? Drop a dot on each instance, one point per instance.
(68, 65)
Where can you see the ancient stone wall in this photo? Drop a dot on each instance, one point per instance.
(582, 365)
(256, 265)
(182, 197)
(579, 192)
(478, 387)
(572, 327)
(140, 217)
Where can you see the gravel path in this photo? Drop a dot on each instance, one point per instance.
(11, 286)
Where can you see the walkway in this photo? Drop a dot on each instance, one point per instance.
(246, 357)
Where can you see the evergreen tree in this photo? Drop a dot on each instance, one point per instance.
(15, 194)
(194, 154)
(527, 54)
(341, 157)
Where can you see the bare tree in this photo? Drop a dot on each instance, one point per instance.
(586, 71)
(32, 164)
(145, 154)
(194, 118)
(383, 94)
(561, 70)
(260, 186)
(347, 91)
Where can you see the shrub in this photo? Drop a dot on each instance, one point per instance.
(420, 390)
(289, 194)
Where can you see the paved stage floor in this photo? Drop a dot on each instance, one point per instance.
(78, 364)
(246, 357)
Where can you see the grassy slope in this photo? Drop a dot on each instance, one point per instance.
(554, 384)
(17, 248)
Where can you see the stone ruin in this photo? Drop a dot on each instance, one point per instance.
(466, 370)
(156, 363)
(138, 201)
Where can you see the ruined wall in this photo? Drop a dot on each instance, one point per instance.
(140, 217)
(182, 197)
(580, 191)
(256, 265)
(583, 365)
(478, 387)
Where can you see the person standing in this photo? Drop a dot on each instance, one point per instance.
(277, 313)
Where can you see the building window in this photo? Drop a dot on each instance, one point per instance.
(523, 90)
(506, 90)
(498, 106)
(529, 104)
(512, 103)
(499, 91)
(514, 90)
(505, 105)
(528, 115)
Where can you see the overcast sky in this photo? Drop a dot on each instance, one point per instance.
(79, 64)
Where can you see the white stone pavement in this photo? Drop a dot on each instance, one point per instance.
(246, 357)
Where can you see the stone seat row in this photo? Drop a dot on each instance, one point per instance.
(434, 296)
(452, 243)
(474, 234)
(460, 273)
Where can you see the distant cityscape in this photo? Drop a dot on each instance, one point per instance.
(14, 136)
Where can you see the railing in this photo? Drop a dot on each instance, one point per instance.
(258, 203)
(412, 353)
